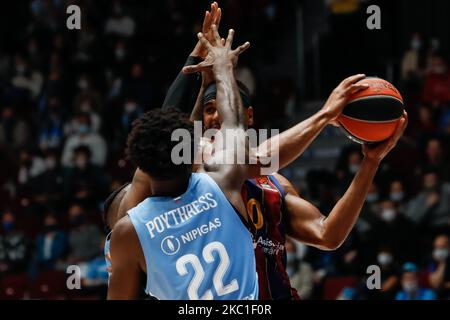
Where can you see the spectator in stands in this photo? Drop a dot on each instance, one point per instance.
(120, 24)
(436, 90)
(84, 136)
(300, 272)
(14, 247)
(51, 133)
(410, 285)
(14, 132)
(137, 86)
(439, 269)
(395, 231)
(86, 181)
(131, 111)
(398, 195)
(436, 159)
(390, 277)
(27, 81)
(431, 207)
(94, 277)
(47, 185)
(84, 237)
(411, 62)
(51, 244)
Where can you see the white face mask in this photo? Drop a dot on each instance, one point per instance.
(372, 197)
(397, 196)
(50, 163)
(388, 215)
(410, 286)
(416, 44)
(440, 254)
(384, 259)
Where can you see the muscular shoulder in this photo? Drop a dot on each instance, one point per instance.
(285, 184)
(124, 233)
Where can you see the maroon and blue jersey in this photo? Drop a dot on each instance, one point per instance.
(264, 198)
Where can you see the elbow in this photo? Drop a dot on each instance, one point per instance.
(330, 242)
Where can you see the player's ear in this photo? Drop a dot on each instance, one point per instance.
(250, 120)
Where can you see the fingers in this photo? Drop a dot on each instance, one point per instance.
(352, 80)
(242, 48)
(222, 42)
(204, 42)
(206, 22)
(230, 38)
(195, 68)
(215, 35)
(218, 17)
(354, 88)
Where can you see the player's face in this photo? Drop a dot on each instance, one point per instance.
(211, 119)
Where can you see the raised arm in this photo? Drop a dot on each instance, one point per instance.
(183, 91)
(306, 223)
(290, 144)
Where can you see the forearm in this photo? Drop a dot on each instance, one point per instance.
(290, 144)
(343, 217)
(197, 112)
(228, 99)
(183, 90)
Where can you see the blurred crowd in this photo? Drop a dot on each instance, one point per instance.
(67, 101)
(68, 98)
(404, 226)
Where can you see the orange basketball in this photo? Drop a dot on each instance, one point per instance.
(372, 114)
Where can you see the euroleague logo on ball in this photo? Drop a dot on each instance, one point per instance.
(381, 86)
(170, 245)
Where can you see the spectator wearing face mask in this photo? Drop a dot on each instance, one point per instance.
(26, 79)
(47, 185)
(120, 23)
(85, 181)
(398, 195)
(390, 280)
(131, 111)
(431, 207)
(51, 244)
(439, 277)
(14, 247)
(84, 237)
(87, 92)
(393, 230)
(84, 136)
(410, 285)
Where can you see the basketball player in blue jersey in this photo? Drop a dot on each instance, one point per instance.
(274, 206)
(187, 237)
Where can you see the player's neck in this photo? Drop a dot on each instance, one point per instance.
(170, 188)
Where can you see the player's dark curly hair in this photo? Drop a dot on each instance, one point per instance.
(149, 144)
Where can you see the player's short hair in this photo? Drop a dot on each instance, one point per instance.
(150, 144)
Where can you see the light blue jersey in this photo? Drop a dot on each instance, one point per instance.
(195, 246)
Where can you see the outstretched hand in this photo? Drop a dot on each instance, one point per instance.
(219, 52)
(210, 18)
